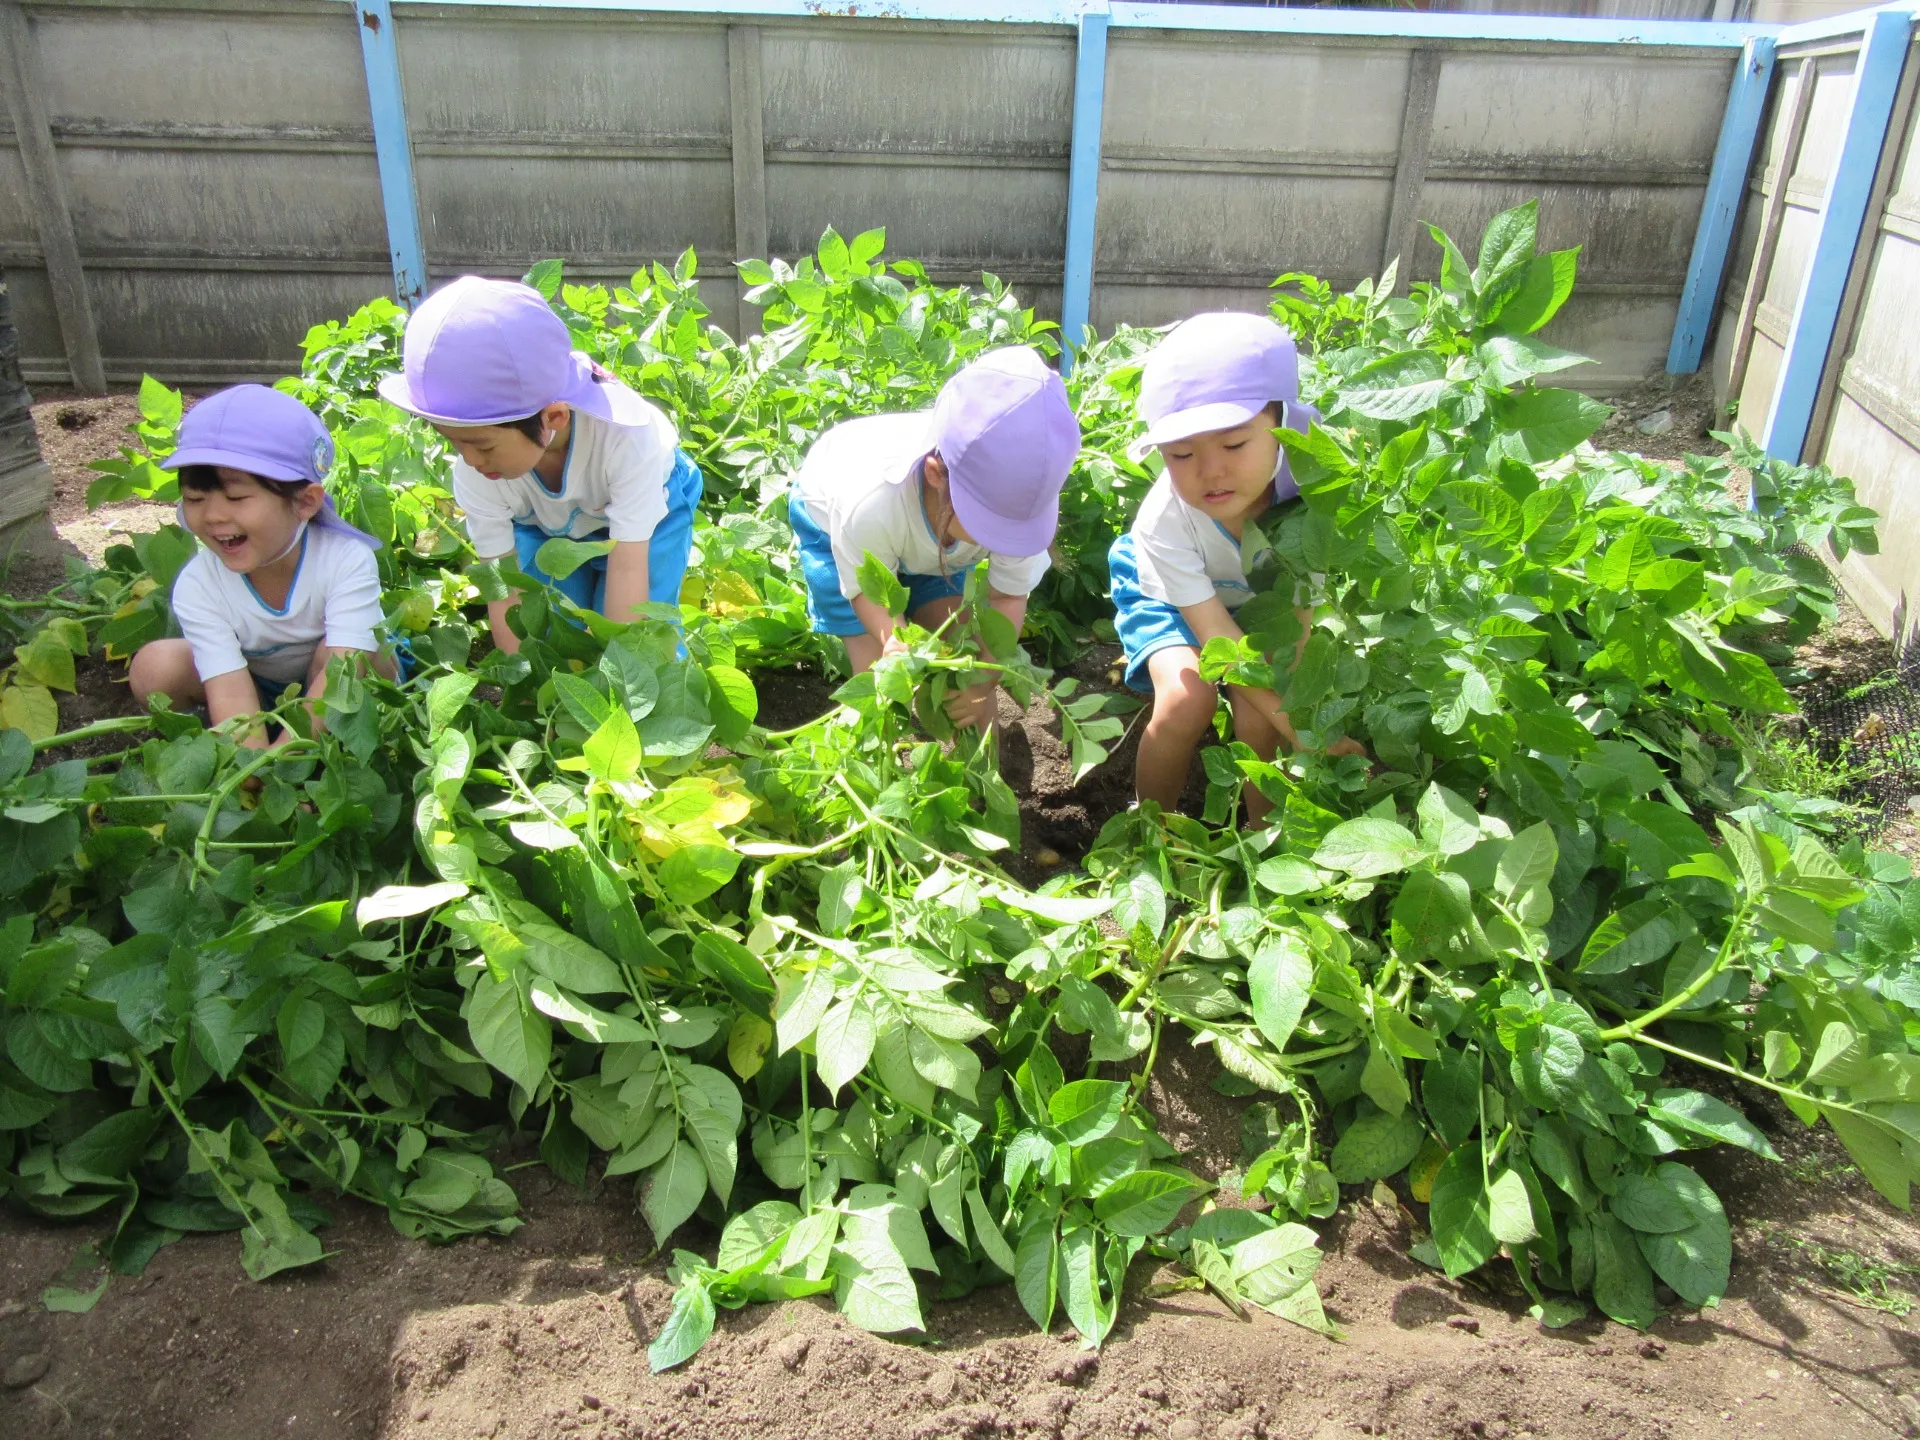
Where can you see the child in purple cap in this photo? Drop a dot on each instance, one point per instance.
(550, 446)
(283, 586)
(931, 495)
(1212, 393)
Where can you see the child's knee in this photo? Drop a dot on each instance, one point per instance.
(1184, 703)
(163, 667)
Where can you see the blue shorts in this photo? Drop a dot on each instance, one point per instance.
(1145, 625)
(831, 612)
(667, 548)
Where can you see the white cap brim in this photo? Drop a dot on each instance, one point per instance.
(1199, 420)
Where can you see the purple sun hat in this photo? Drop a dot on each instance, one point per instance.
(1008, 437)
(258, 430)
(1216, 371)
(265, 433)
(488, 352)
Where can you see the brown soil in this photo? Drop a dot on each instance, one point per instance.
(1687, 403)
(544, 1334)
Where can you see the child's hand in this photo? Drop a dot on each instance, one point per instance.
(893, 645)
(1347, 746)
(975, 706)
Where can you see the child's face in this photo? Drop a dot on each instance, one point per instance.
(1228, 474)
(502, 452)
(247, 524)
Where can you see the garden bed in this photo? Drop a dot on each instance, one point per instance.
(544, 1333)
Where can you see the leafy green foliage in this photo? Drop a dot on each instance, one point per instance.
(582, 894)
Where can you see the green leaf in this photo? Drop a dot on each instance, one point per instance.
(671, 1191)
(1146, 1202)
(567, 959)
(1079, 1266)
(688, 1325)
(843, 1043)
(732, 702)
(1401, 386)
(1280, 981)
(1376, 1146)
(1509, 1209)
(1694, 1261)
(1461, 1214)
(1527, 862)
(1544, 287)
(1432, 907)
(1506, 249)
(612, 752)
(509, 1037)
(1649, 1206)
(993, 1243)
(841, 889)
(560, 556)
(1622, 1283)
(880, 585)
(1035, 1269)
(1085, 1110)
(737, 968)
(693, 872)
(1535, 426)
(1368, 847)
(873, 1287)
(1450, 1086)
(1448, 824)
(1637, 935)
(1713, 1119)
(1272, 1265)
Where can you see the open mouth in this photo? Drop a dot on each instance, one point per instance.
(228, 544)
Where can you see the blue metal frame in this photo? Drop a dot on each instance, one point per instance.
(1883, 55)
(393, 148)
(1083, 177)
(1726, 187)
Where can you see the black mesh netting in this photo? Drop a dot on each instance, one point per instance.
(1866, 717)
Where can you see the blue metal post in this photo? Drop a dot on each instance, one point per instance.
(1713, 240)
(1876, 78)
(393, 147)
(1083, 176)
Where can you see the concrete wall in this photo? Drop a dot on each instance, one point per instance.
(219, 168)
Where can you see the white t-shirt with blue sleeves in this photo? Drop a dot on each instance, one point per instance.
(615, 482)
(334, 598)
(1186, 557)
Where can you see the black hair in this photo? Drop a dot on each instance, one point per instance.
(200, 479)
(531, 427)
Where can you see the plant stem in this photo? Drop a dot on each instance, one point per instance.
(119, 725)
(226, 787)
(1632, 1029)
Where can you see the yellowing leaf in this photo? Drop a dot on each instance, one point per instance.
(730, 593)
(747, 1044)
(27, 706)
(1425, 1167)
(47, 659)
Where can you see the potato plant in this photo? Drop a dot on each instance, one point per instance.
(1517, 961)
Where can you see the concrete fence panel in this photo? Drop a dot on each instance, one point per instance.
(218, 164)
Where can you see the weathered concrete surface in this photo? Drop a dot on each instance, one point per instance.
(219, 159)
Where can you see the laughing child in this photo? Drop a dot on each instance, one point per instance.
(1212, 393)
(931, 494)
(550, 446)
(283, 585)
